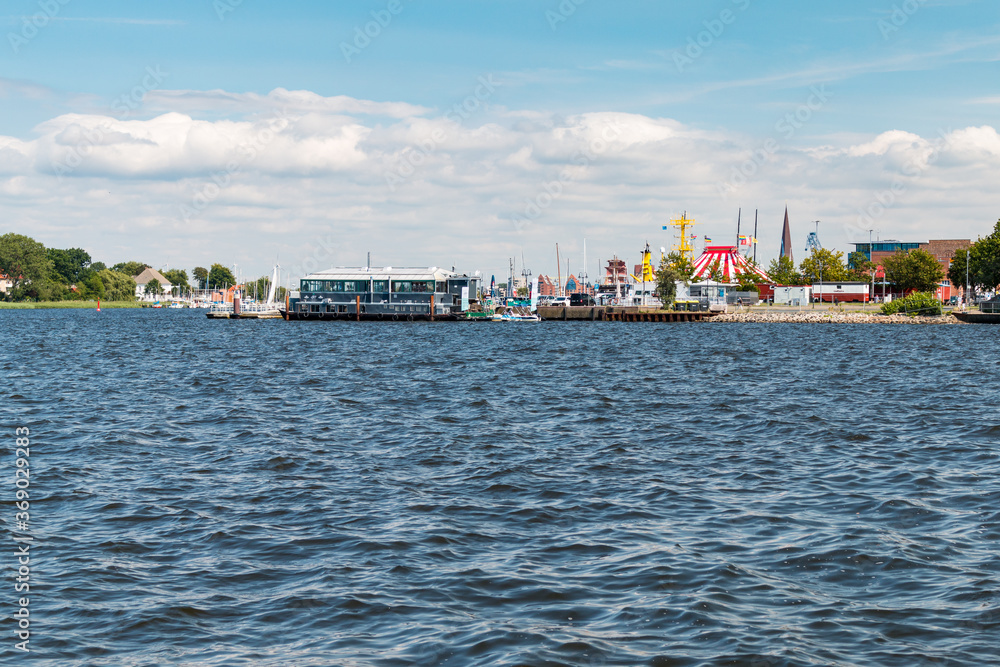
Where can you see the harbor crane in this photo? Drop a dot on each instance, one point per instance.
(812, 242)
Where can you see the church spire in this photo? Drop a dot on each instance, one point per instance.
(786, 238)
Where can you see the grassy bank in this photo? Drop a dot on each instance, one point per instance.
(40, 305)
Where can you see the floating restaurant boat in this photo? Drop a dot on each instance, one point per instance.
(387, 293)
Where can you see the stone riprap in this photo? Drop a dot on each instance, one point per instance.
(830, 317)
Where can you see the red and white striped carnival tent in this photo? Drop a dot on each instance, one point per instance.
(729, 262)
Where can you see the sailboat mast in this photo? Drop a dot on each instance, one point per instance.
(755, 236)
(559, 271)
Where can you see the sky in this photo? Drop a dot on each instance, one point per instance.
(445, 133)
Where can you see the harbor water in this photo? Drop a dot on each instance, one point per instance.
(378, 494)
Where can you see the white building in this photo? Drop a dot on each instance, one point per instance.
(792, 295)
(841, 292)
(144, 279)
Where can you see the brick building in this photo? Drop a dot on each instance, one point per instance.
(547, 286)
(941, 249)
(616, 272)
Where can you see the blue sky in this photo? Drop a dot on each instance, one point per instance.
(928, 68)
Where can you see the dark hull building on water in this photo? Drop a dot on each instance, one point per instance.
(382, 294)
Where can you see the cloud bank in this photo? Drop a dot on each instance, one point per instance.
(210, 176)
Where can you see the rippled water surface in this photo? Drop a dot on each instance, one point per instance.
(272, 493)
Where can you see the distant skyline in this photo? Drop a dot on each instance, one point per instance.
(460, 133)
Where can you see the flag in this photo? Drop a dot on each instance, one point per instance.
(708, 239)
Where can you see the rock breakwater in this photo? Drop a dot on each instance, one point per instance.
(830, 317)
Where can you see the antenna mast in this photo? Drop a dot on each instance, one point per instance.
(684, 246)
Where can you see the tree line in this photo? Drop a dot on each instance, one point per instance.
(37, 273)
(980, 265)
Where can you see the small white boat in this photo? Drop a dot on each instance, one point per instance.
(511, 314)
(520, 314)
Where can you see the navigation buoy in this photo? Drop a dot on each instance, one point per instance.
(98, 305)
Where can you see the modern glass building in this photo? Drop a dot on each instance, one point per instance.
(382, 293)
(888, 246)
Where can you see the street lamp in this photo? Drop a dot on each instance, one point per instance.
(966, 295)
(871, 261)
(818, 262)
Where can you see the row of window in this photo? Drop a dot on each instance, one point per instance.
(366, 286)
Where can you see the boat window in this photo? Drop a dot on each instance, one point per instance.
(420, 286)
(380, 285)
(412, 285)
(441, 287)
(314, 286)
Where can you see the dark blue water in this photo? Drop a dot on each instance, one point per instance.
(272, 493)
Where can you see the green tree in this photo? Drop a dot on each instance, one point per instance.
(131, 269)
(915, 270)
(44, 290)
(95, 287)
(825, 265)
(984, 260)
(118, 286)
(748, 282)
(200, 274)
(782, 271)
(956, 268)
(24, 261)
(681, 264)
(178, 278)
(667, 277)
(220, 277)
(97, 267)
(859, 266)
(259, 287)
(69, 266)
(153, 287)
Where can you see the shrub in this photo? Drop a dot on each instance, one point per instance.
(918, 303)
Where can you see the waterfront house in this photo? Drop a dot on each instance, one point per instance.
(147, 277)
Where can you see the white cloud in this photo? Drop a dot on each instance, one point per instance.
(289, 101)
(280, 172)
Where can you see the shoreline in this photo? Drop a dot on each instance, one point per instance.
(813, 317)
(71, 305)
